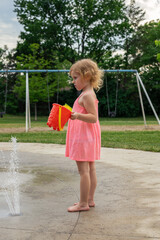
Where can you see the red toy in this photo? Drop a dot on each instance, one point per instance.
(59, 116)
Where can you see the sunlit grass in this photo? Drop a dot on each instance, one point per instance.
(143, 140)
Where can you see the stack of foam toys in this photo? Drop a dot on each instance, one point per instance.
(59, 116)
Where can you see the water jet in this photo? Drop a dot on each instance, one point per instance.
(11, 182)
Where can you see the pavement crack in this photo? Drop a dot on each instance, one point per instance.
(74, 226)
(78, 212)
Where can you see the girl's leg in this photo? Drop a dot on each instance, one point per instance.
(83, 168)
(93, 183)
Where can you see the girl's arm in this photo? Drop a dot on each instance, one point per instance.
(88, 102)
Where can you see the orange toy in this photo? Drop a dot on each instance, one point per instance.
(59, 116)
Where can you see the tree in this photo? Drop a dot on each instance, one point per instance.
(8, 102)
(157, 43)
(135, 15)
(142, 45)
(40, 84)
(144, 58)
(128, 102)
(75, 29)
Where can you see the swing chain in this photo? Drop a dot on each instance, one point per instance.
(112, 113)
(49, 108)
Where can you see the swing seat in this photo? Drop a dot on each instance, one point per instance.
(112, 114)
(59, 116)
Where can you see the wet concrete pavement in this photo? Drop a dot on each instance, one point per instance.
(127, 196)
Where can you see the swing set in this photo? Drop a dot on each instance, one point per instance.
(110, 113)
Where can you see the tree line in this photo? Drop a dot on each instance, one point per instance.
(59, 32)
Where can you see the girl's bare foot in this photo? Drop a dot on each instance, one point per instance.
(91, 203)
(77, 208)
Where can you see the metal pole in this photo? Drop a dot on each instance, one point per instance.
(108, 106)
(49, 109)
(27, 102)
(148, 99)
(56, 70)
(29, 112)
(141, 100)
(6, 92)
(57, 88)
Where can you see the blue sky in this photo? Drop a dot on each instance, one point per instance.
(10, 28)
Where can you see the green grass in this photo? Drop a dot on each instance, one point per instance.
(128, 121)
(11, 121)
(36, 137)
(147, 141)
(140, 140)
(143, 140)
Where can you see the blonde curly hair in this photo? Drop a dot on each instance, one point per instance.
(89, 68)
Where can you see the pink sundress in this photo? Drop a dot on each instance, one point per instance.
(83, 140)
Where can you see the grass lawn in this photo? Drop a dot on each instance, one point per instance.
(143, 140)
(10, 121)
(140, 140)
(128, 121)
(147, 141)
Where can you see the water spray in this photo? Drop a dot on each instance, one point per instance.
(12, 181)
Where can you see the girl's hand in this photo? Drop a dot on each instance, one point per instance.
(74, 115)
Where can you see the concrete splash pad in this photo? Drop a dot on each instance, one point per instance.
(127, 197)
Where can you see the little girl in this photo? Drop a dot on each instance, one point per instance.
(83, 141)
